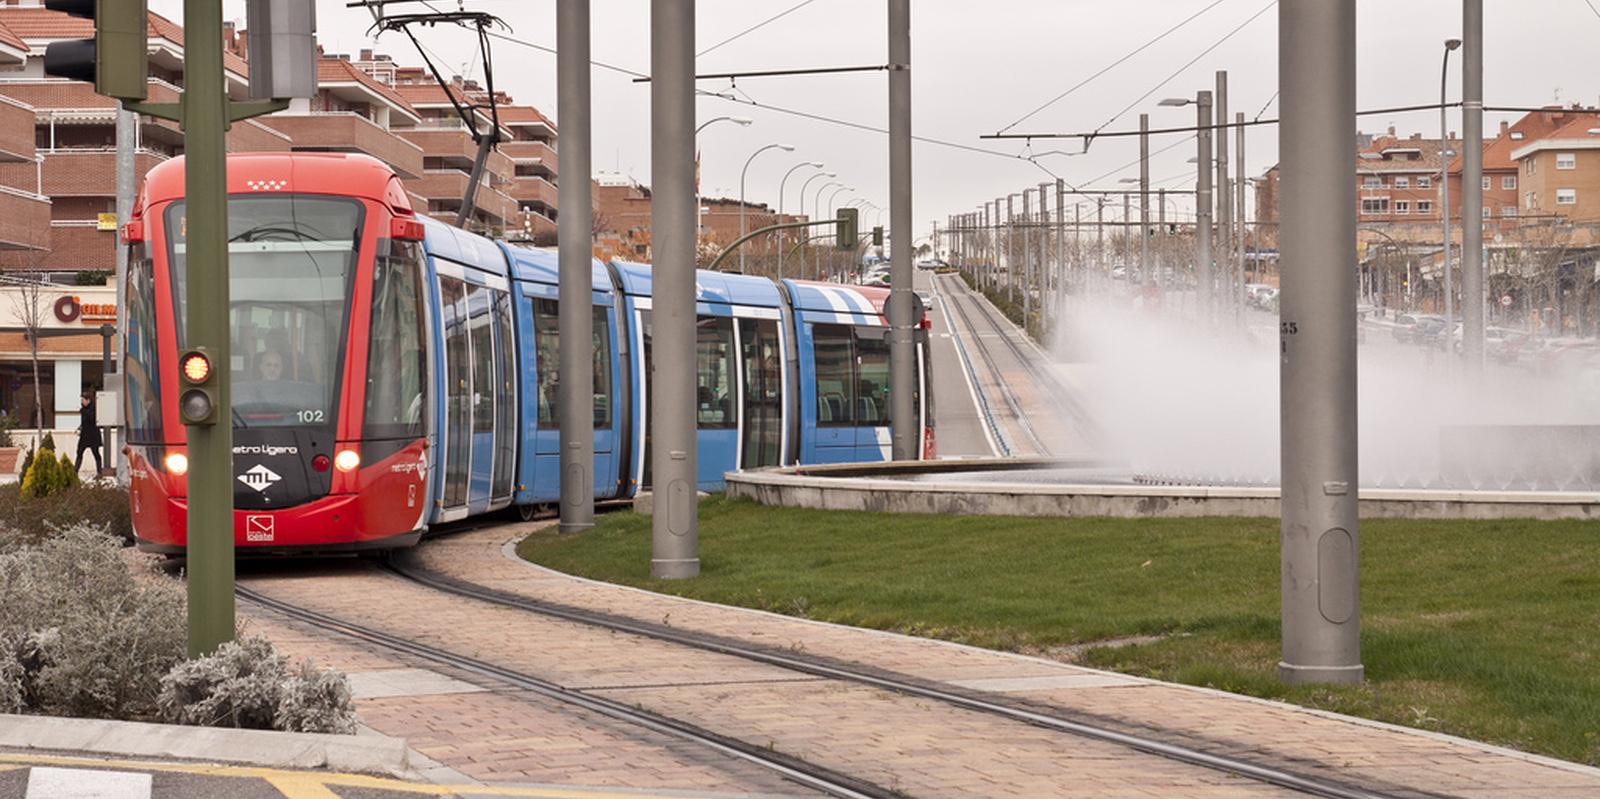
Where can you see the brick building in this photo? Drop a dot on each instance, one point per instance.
(1560, 172)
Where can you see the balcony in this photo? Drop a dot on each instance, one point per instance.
(532, 151)
(24, 220)
(16, 131)
(345, 132)
(447, 185)
(89, 172)
(530, 189)
(456, 149)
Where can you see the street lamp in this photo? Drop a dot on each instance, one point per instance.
(808, 183)
(781, 184)
(788, 148)
(1444, 188)
(743, 122)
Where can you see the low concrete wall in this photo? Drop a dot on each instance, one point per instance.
(847, 487)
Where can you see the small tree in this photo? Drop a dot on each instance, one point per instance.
(29, 305)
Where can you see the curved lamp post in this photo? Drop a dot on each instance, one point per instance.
(781, 184)
(742, 173)
(743, 122)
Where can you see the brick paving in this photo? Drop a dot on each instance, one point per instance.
(897, 731)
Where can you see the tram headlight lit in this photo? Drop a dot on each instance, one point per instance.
(347, 460)
(177, 464)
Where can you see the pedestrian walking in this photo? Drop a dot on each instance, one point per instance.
(88, 433)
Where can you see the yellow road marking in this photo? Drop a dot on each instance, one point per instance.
(313, 784)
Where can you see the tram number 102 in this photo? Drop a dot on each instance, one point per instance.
(310, 416)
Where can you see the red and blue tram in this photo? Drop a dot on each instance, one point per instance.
(390, 372)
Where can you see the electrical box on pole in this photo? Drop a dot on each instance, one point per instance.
(283, 48)
(849, 226)
(115, 60)
(877, 236)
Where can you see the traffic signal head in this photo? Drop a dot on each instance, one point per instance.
(877, 236)
(115, 60)
(197, 401)
(849, 229)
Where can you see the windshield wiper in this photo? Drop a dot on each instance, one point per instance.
(238, 421)
(298, 230)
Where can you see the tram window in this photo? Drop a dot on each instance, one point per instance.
(395, 359)
(547, 343)
(482, 333)
(143, 355)
(505, 407)
(291, 262)
(458, 411)
(714, 386)
(872, 378)
(763, 392)
(835, 375)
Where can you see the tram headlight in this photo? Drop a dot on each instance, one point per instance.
(347, 460)
(177, 464)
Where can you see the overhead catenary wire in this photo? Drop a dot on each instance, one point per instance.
(759, 25)
(1113, 65)
(1191, 62)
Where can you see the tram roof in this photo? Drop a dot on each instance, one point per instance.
(810, 295)
(463, 246)
(343, 174)
(709, 286)
(542, 265)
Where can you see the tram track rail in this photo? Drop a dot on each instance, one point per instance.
(906, 685)
(1012, 401)
(820, 778)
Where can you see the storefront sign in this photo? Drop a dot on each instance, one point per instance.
(71, 309)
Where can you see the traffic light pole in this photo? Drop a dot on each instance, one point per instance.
(210, 479)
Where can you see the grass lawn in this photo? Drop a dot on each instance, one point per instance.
(1485, 629)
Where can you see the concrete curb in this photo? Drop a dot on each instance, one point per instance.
(368, 752)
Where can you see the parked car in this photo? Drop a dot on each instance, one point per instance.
(1406, 325)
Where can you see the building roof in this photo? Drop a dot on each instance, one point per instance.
(1392, 154)
(1531, 127)
(336, 71)
(42, 25)
(517, 115)
(10, 40)
(1581, 132)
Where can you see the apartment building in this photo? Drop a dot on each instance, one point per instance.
(1396, 179)
(1504, 201)
(1559, 173)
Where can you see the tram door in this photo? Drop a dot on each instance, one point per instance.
(480, 391)
(547, 440)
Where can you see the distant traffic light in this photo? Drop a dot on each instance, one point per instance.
(877, 236)
(115, 60)
(849, 229)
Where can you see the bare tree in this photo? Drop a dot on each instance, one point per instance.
(29, 304)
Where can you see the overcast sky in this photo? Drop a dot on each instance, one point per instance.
(978, 67)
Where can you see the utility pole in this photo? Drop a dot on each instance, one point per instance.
(1223, 248)
(904, 430)
(1043, 283)
(1472, 278)
(1061, 245)
(1320, 582)
(674, 525)
(575, 243)
(1011, 266)
(1077, 243)
(1027, 258)
(1444, 189)
(1100, 238)
(1205, 285)
(1161, 234)
(1144, 197)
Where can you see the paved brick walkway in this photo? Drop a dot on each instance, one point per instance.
(1377, 755)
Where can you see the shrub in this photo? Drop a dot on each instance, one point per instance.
(92, 277)
(48, 443)
(7, 424)
(66, 475)
(49, 475)
(101, 506)
(245, 683)
(85, 635)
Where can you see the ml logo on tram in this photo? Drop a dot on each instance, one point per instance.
(259, 477)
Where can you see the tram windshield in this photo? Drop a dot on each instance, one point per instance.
(290, 263)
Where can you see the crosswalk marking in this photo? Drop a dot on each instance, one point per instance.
(72, 783)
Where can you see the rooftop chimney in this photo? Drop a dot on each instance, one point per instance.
(366, 55)
(1391, 135)
(1504, 126)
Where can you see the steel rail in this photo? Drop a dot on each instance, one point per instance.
(888, 681)
(792, 768)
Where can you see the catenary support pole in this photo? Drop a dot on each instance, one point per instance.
(210, 478)
(1317, 343)
(1241, 232)
(575, 238)
(1144, 198)
(1011, 266)
(1042, 277)
(1205, 285)
(1224, 199)
(1061, 246)
(1027, 258)
(1472, 277)
(1161, 234)
(905, 429)
(674, 526)
(1444, 195)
